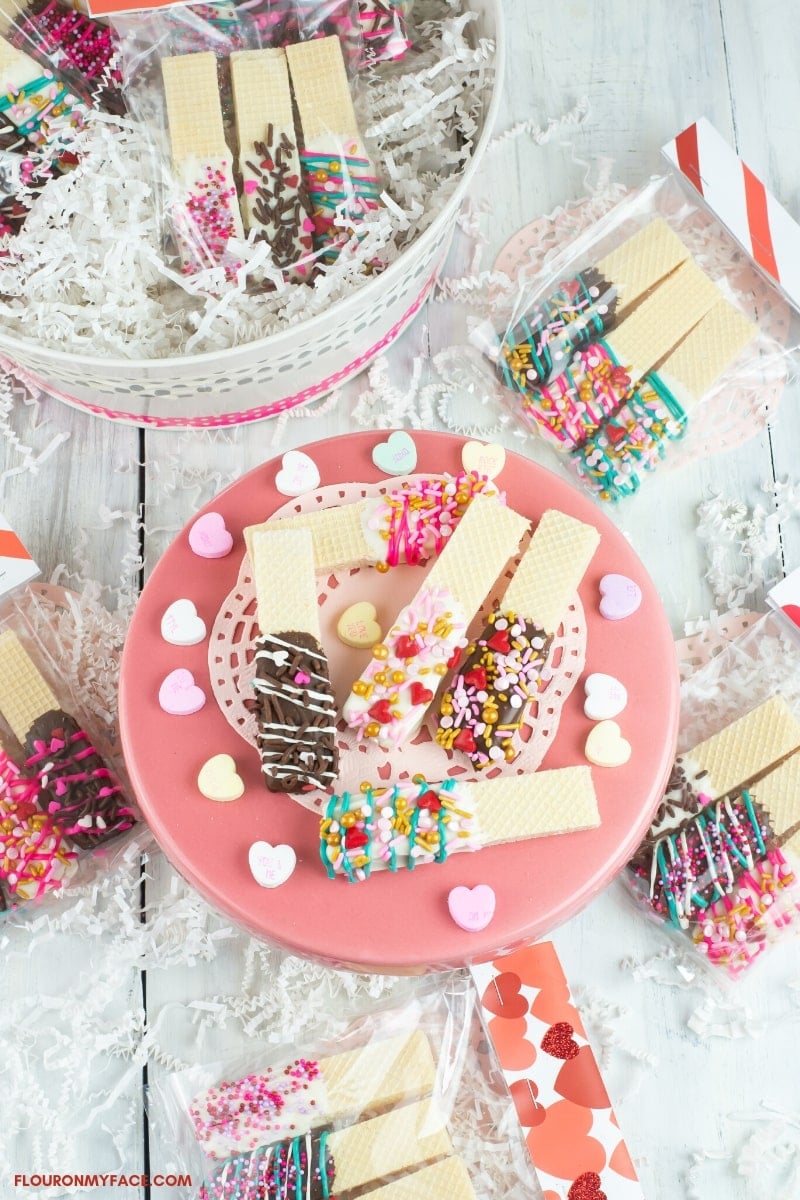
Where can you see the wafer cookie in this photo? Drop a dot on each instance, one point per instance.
(445, 1180)
(415, 823)
(206, 212)
(269, 161)
(486, 702)
(634, 439)
(75, 786)
(410, 524)
(740, 752)
(339, 175)
(296, 724)
(353, 1157)
(306, 1094)
(541, 344)
(389, 701)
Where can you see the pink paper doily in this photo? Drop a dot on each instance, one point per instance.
(231, 663)
(742, 401)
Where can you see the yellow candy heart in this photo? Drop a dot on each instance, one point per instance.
(483, 458)
(606, 747)
(357, 626)
(219, 780)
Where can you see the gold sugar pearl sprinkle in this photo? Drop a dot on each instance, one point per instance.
(380, 650)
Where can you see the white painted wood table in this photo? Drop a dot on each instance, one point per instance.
(647, 70)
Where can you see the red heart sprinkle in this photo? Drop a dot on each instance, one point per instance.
(453, 659)
(614, 433)
(465, 741)
(407, 647)
(559, 1042)
(355, 838)
(381, 712)
(420, 694)
(292, 181)
(476, 678)
(430, 801)
(586, 1187)
(500, 641)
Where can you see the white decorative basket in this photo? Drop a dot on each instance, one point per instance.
(265, 377)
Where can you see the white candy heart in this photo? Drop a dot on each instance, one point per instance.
(483, 458)
(181, 626)
(271, 865)
(605, 697)
(219, 779)
(606, 747)
(298, 474)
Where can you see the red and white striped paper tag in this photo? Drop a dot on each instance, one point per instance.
(16, 565)
(762, 226)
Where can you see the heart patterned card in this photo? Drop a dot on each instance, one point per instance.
(552, 1074)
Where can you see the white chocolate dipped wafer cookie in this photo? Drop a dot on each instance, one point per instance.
(389, 701)
(296, 723)
(341, 180)
(269, 159)
(487, 699)
(206, 211)
(412, 824)
(410, 524)
(304, 1095)
(312, 1165)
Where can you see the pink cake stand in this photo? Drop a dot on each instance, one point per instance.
(393, 923)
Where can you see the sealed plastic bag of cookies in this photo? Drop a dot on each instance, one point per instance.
(400, 1103)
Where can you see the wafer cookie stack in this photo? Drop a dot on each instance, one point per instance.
(206, 212)
(341, 180)
(444, 1180)
(409, 524)
(296, 725)
(712, 862)
(306, 1094)
(601, 376)
(412, 824)
(486, 702)
(635, 437)
(389, 701)
(269, 163)
(75, 786)
(541, 344)
(313, 1164)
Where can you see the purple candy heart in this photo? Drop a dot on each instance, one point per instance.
(472, 908)
(209, 538)
(620, 597)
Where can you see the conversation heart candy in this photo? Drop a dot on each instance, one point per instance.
(209, 538)
(357, 626)
(219, 780)
(397, 455)
(179, 695)
(606, 747)
(620, 597)
(605, 697)
(271, 865)
(298, 474)
(483, 458)
(472, 908)
(181, 626)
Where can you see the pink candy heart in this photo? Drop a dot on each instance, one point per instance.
(472, 908)
(250, 186)
(620, 597)
(209, 538)
(179, 695)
